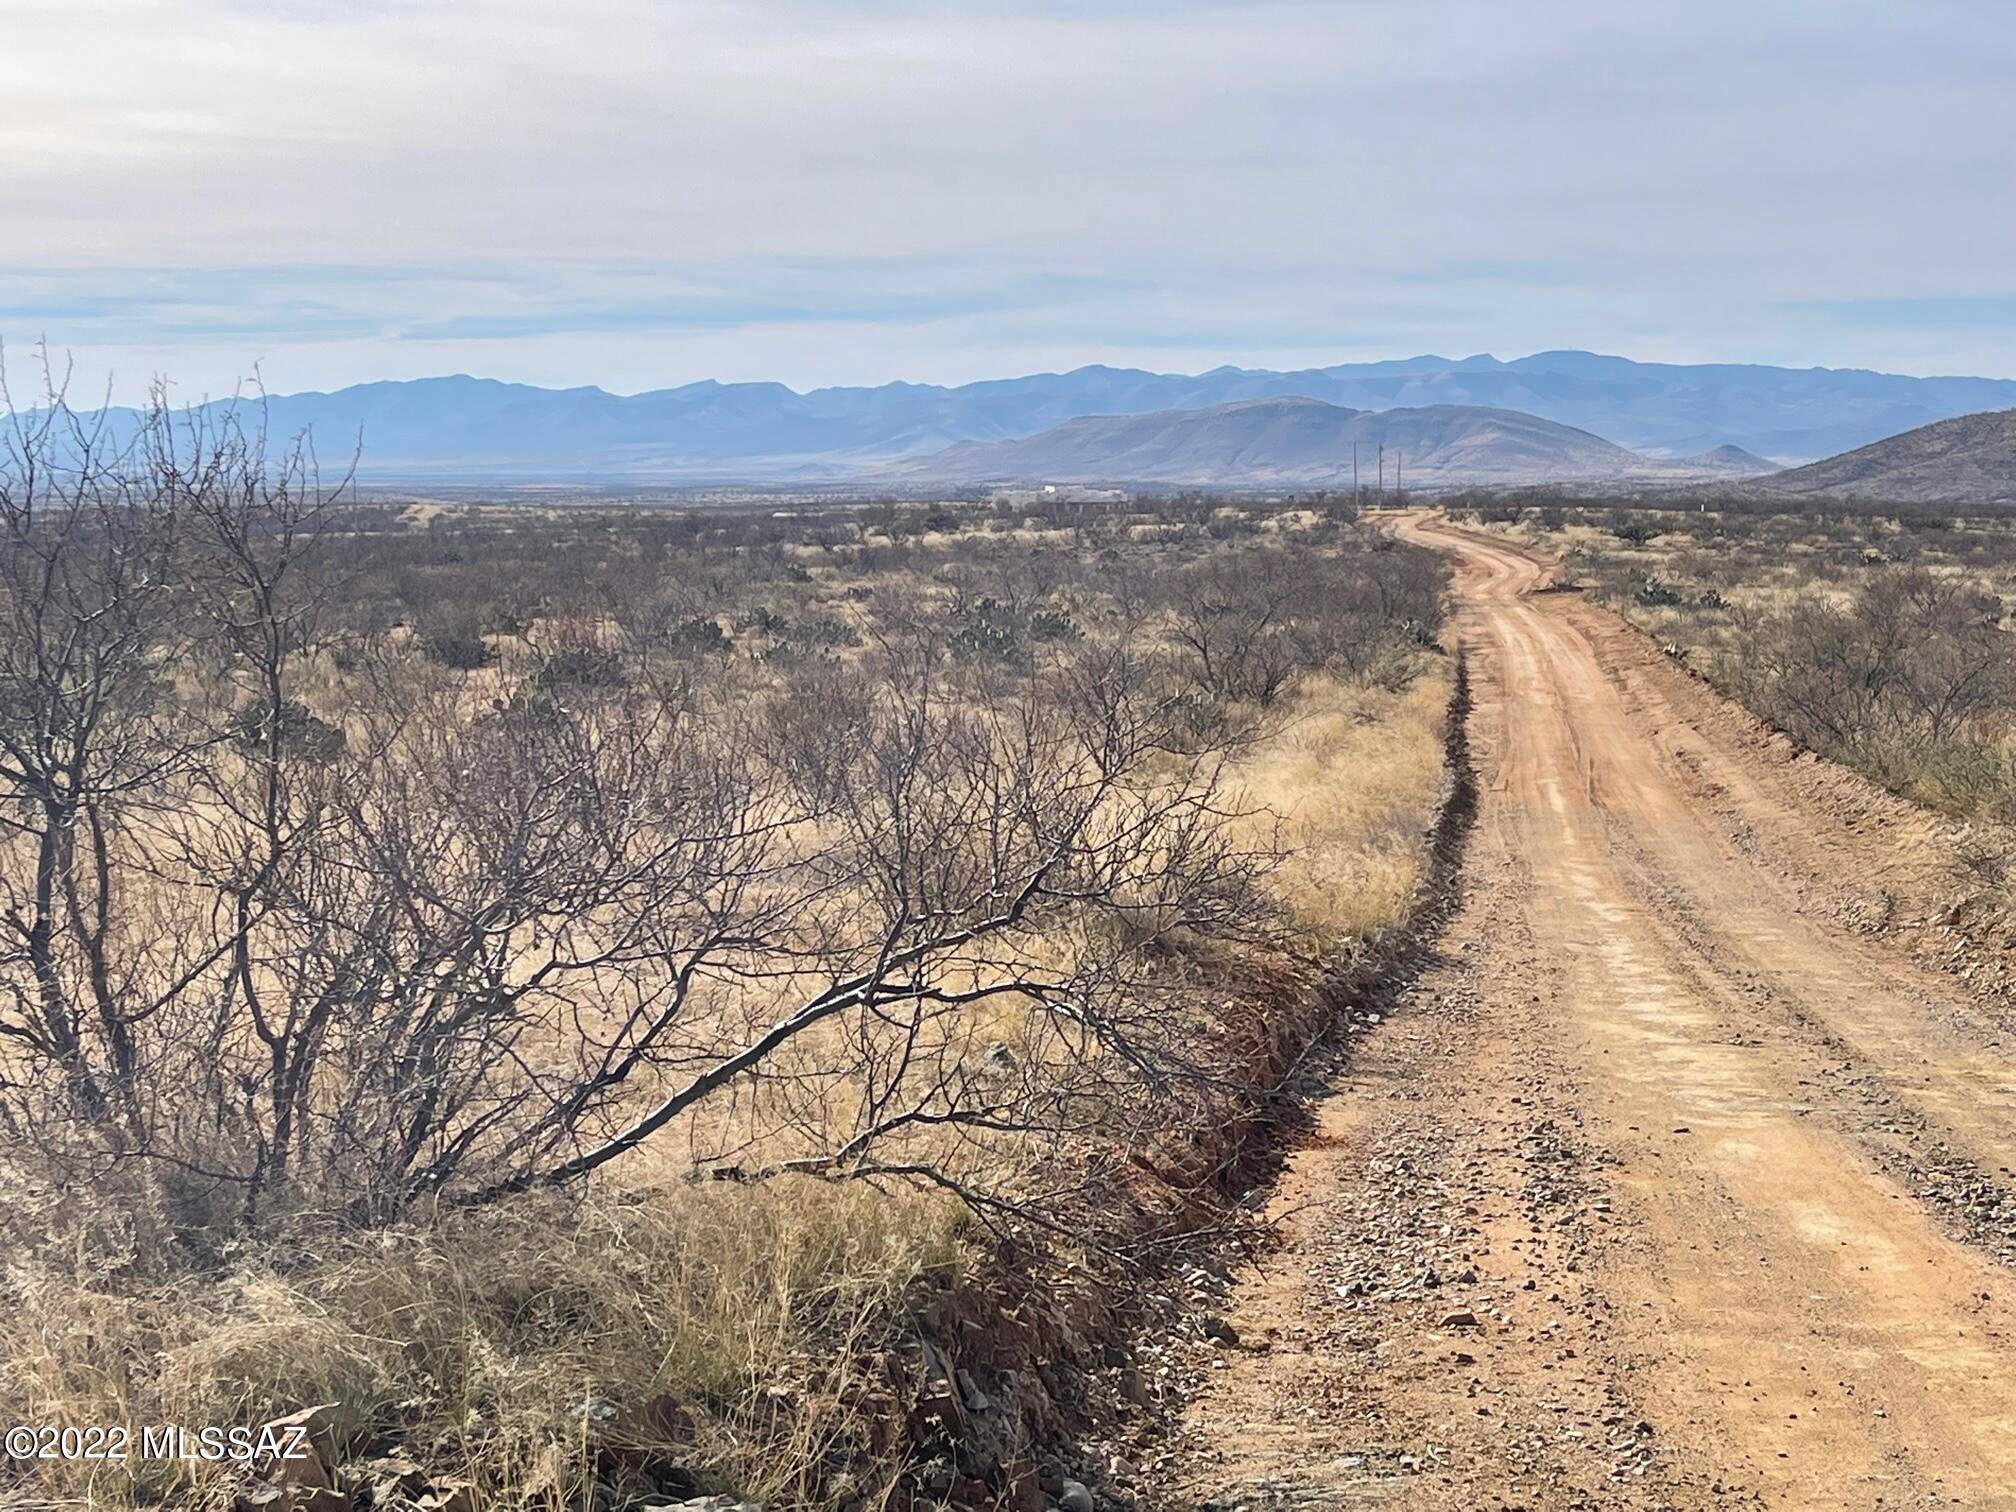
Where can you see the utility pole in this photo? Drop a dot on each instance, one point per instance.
(1356, 501)
(1399, 488)
(1382, 474)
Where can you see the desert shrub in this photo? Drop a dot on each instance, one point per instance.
(300, 731)
(1249, 623)
(583, 666)
(988, 631)
(699, 636)
(1910, 678)
(458, 646)
(1655, 592)
(823, 630)
(1051, 625)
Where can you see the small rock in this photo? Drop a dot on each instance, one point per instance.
(1462, 1317)
(1075, 1497)
(1212, 1327)
(976, 1399)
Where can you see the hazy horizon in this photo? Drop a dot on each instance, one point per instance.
(638, 196)
(24, 371)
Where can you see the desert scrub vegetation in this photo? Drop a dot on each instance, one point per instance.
(1877, 637)
(580, 989)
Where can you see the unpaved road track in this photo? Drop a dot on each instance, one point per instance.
(1664, 1187)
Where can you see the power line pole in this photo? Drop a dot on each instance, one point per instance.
(1382, 474)
(1356, 501)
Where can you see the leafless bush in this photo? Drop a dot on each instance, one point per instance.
(1911, 664)
(1251, 622)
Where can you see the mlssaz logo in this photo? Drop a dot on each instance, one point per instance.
(213, 1445)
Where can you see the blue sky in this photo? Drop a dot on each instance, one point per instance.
(638, 193)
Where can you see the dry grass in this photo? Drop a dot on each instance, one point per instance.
(486, 1333)
(1355, 774)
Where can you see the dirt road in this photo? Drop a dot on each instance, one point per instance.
(1667, 1185)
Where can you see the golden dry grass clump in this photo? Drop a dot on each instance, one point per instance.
(1354, 774)
(482, 1336)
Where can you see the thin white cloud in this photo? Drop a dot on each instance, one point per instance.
(350, 191)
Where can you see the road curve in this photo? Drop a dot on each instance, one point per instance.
(1665, 1187)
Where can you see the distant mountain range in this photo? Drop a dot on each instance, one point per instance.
(477, 429)
(1971, 459)
(1309, 443)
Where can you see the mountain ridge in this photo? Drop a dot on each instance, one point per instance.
(1970, 459)
(460, 425)
(1301, 442)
